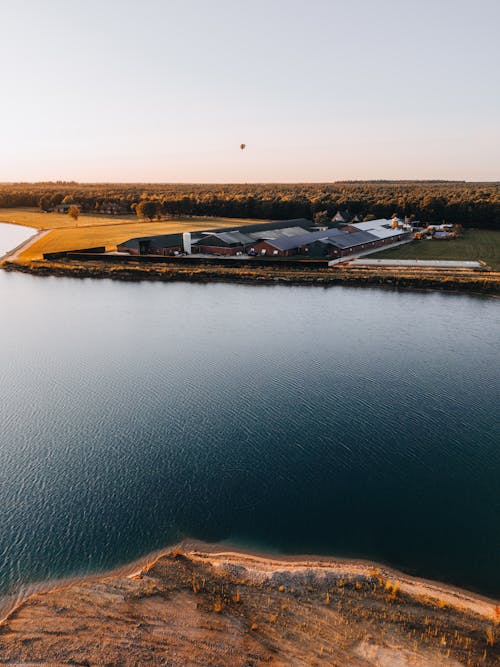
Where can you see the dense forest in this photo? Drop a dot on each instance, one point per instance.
(468, 204)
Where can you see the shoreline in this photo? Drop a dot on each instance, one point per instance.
(219, 595)
(415, 278)
(13, 253)
(269, 560)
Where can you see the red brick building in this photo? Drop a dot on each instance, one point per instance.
(223, 243)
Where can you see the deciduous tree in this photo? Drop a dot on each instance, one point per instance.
(147, 208)
(45, 202)
(74, 212)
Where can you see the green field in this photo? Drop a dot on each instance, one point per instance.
(475, 244)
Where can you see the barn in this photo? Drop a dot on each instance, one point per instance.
(285, 246)
(222, 243)
(333, 243)
(339, 243)
(167, 244)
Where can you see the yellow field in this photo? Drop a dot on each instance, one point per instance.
(91, 230)
(33, 217)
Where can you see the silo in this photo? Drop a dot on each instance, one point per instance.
(186, 242)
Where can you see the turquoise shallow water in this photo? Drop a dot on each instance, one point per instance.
(341, 421)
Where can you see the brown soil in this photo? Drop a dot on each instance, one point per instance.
(192, 607)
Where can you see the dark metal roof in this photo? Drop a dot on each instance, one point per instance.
(171, 240)
(262, 235)
(161, 241)
(230, 238)
(345, 240)
(335, 237)
(274, 224)
(279, 224)
(262, 226)
(289, 242)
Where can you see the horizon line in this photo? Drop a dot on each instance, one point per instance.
(349, 180)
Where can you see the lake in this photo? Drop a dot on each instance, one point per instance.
(342, 421)
(13, 235)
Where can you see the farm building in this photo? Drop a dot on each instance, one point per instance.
(287, 245)
(112, 208)
(276, 225)
(334, 242)
(211, 242)
(166, 244)
(222, 243)
(382, 229)
(64, 208)
(283, 239)
(340, 243)
(285, 232)
(342, 217)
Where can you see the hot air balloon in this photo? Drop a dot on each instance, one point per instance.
(242, 146)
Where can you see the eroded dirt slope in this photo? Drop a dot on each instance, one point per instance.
(202, 608)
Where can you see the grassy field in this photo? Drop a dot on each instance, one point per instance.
(91, 230)
(475, 244)
(33, 217)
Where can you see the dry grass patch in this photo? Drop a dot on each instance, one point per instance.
(33, 217)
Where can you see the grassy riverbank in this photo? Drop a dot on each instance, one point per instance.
(208, 606)
(475, 244)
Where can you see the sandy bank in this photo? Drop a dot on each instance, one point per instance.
(204, 606)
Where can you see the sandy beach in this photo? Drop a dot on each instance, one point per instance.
(202, 605)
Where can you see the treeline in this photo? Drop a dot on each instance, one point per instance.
(468, 204)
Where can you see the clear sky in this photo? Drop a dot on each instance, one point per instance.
(319, 90)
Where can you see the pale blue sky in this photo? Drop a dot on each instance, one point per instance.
(151, 90)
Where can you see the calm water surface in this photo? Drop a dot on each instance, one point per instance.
(340, 421)
(13, 235)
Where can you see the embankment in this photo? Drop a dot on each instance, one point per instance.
(452, 279)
